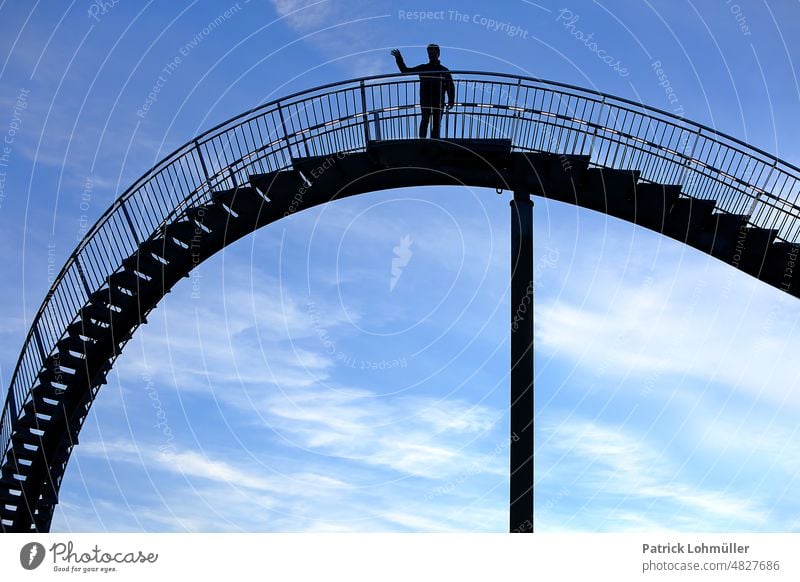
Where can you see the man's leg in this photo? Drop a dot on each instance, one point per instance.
(436, 121)
(423, 124)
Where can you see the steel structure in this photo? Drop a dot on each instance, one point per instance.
(690, 182)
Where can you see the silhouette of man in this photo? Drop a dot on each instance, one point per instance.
(434, 82)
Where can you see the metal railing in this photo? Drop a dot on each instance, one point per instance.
(536, 115)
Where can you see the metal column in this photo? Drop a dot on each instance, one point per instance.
(521, 437)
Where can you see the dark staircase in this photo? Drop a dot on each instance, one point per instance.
(47, 430)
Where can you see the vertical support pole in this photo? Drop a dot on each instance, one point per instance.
(376, 126)
(202, 160)
(365, 118)
(130, 225)
(82, 275)
(285, 134)
(521, 438)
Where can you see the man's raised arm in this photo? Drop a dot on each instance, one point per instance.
(401, 64)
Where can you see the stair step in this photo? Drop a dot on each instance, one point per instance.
(47, 390)
(9, 472)
(8, 498)
(74, 344)
(185, 231)
(97, 312)
(26, 438)
(31, 421)
(754, 258)
(127, 279)
(7, 483)
(554, 176)
(51, 373)
(143, 262)
(687, 216)
(652, 203)
(331, 174)
(244, 201)
(202, 240)
(113, 296)
(22, 453)
(86, 328)
(40, 405)
(721, 235)
(9, 516)
(64, 359)
(492, 153)
(62, 362)
(609, 191)
(13, 481)
(213, 217)
(167, 249)
(782, 267)
(423, 162)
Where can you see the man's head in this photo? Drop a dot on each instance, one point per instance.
(433, 52)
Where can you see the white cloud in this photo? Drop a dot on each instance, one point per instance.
(189, 463)
(189, 491)
(269, 365)
(761, 445)
(389, 444)
(416, 436)
(339, 30)
(600, 477)
(305, 15)
(694, 318)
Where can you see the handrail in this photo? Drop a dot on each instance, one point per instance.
(516, 78)
(338, 116)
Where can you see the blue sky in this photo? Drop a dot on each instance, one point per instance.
(288, 386)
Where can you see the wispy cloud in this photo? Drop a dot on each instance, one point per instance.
(339, 30)
(272, 367)
(614, 481)
(693, 317)
(412, 436)
(254, 351)
(190, 463)
(304, 15)
(188, 491)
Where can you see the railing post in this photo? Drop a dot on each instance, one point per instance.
(690, 158)
(202, 160)
(82, 275)
(364, 113)
(757, 196)
(130, 222)
(517, 113)
(377, 125)
(594, 129)
(285, 133)
(39, 344)
(11, 413)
